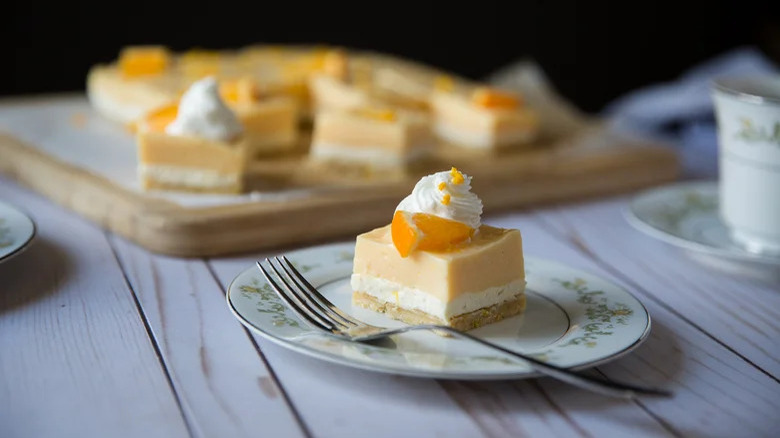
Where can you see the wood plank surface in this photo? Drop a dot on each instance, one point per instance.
(75, 357)
(224, 387)
(334, 400)
(99, 337)
(717, 392)
(741, 311)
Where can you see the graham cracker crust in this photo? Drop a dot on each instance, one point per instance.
(153, 184)
(464, 322)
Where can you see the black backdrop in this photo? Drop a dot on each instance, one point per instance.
(593, 51)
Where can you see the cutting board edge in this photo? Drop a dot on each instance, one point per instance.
(167, 228)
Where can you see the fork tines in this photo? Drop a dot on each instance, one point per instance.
(303, 298)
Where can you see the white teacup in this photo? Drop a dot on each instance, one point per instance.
(748, 114)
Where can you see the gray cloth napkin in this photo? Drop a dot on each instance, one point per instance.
(686, 99)
(685, 106)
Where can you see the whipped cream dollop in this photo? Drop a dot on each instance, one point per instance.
(447, 195)
(202, 113)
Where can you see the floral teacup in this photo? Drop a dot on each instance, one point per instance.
(748, 114)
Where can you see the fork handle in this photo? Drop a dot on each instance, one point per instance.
(595, 384)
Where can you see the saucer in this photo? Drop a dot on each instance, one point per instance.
(16, 231)
(686, 215)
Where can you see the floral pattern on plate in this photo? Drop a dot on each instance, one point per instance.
(686, 215)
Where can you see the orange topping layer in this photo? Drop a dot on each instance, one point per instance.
(240, 91)
(158, 119)
(425, 232)
(444, 83)
(143, 61)
(457, 177)
(490, 98)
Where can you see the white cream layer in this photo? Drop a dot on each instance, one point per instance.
(415, 299)
(188, 176)
(373, 156)
(481, 139)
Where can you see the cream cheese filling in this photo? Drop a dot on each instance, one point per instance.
(188, 176)
(481, 139)
(416, 299)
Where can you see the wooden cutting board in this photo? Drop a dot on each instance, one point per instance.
(56, 146)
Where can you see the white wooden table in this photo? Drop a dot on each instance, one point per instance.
(100, 338)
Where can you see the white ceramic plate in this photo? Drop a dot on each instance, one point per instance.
(686, 215)
(16, 231)
(573, 319)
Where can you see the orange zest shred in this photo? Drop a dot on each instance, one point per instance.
(490, 98)
(442, 185)
(457, 177)
(425, 232)
(446, 199)
(143, 61)
(157, 120)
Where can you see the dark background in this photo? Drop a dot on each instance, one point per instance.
(592, 51)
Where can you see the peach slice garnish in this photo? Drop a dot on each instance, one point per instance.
(420, 231)
(143, 61)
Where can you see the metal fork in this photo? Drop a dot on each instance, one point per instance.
(311, 306)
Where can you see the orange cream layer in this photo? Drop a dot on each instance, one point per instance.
(269, 122)
(329, 93)
(348, 129)
(493, 258)
(158, 148)
(456, 110)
